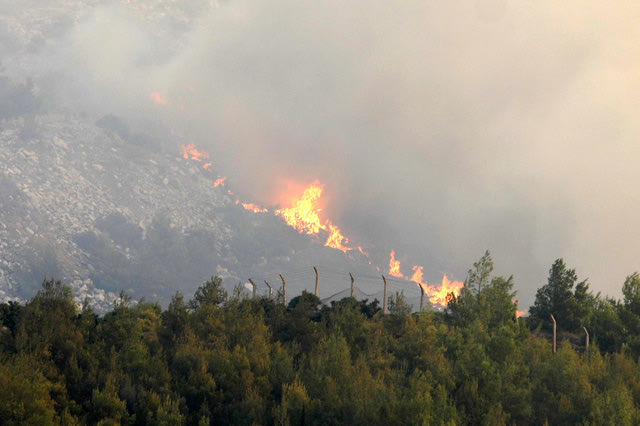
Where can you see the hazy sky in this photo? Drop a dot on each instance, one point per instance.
(440, 129)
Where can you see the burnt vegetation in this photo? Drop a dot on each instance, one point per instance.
(231, 359)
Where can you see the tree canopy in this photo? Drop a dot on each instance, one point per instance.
(221, 359)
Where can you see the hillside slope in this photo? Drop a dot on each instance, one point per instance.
(107, 213)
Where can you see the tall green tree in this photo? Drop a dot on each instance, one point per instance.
(484, 298)
(491, 379)
(629, 312)
(47, 331)
(569, 307)
(480, 275)
(25, 394)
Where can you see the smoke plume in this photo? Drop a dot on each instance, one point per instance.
(438, 129)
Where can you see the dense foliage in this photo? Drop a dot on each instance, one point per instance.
(220, 359)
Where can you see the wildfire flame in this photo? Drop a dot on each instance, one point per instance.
(254, 208)
(304, 217)
(335, 238)
(394, 265)
(158, 98)
(190, 152)
(438, 295)
(417, 275)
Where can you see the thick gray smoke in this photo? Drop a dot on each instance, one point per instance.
(439, 129)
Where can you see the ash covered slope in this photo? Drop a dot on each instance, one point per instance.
(105, 213)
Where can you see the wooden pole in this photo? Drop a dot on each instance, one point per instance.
(352, 286)
(384, 303)
(270, 289)
(317, 279)
(284, 290)
(554, 333)
(587, 333)
(255, 287)
(421, 298)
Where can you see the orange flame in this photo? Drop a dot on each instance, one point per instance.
(158, 98)
(441, 295)
(394, 266)
(190, 152)
(253, 207)
(417, 275)
(520, 314)
(219, 181)
(438, 296)
(364, 253)
(207, 165)
(304, 217)
(335, 238)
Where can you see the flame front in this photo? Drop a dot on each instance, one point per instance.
(440, 295)
(394, 265)
(304, 217)
(190, 152)
(253, 207)
(335, 239)
(417, 275)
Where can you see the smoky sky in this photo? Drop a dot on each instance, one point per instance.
(440, 129)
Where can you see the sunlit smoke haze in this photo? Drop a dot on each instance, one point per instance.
(438, 130)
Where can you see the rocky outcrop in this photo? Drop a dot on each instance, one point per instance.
(67, 176)
(104, 214)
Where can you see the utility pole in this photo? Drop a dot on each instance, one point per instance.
(587, 333)
(270, 289)
(352, 286)
(384, 303)
(284, 290)
(421, 297)
(317, 280)
(554, 333)
(255, 288)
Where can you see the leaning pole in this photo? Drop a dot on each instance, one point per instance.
(554, 333)
(353, 280)
(284, 290)
(384, 303)
(254, 286)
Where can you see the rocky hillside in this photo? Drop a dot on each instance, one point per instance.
(108, 202)
(106, 212)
